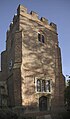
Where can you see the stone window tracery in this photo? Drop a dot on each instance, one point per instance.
(43, 85)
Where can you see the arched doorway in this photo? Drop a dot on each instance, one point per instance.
(43, 103)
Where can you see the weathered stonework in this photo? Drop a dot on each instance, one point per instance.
(28, 59)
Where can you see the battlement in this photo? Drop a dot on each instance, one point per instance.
(53, 25)
(34, 14)
(15, 18)
(44, 20)
(22, 11)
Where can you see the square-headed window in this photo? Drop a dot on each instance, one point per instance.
(43, 85)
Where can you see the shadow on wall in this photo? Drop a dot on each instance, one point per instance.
(37, 59)
(38, 56)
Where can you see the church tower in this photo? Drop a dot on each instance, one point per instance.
(33, 69)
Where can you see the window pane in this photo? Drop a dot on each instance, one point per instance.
(43, 85)
(39, 85)
(42, 38)
(47, 85)
(39, 37)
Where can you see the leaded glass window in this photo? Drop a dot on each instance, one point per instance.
(39, 85)
(43, 85)
(47, 85)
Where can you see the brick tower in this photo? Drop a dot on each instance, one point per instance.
(33, 69)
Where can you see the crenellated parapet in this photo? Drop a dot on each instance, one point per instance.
(22, 11)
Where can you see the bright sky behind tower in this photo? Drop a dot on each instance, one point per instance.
(56, 11)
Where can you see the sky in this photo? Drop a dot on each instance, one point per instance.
(57, 11)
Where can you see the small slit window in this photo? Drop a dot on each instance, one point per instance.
(41, 38)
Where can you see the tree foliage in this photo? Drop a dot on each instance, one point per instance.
(67, 95)
(7, 114)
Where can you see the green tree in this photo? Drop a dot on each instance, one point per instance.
(67, 95)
